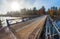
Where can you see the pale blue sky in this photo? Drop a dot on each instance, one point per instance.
(5, 4)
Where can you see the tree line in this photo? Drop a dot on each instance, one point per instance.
(52, 11)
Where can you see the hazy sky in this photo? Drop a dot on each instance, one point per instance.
(5, 5)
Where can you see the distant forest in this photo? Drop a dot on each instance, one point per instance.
(42, 11)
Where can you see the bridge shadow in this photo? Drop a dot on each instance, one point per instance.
(42, 35)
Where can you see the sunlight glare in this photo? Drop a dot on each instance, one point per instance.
(15, 6)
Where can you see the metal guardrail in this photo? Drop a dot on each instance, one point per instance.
(55, 27)
(48, 31)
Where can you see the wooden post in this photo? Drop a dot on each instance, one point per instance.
(0, 24)
(7, 22)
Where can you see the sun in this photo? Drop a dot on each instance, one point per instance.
(15, 6)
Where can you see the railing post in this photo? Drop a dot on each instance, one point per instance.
(0, 24)
(7, 21)
(49, 30)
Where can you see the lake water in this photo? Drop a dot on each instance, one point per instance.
(12, 20)
(58, 22)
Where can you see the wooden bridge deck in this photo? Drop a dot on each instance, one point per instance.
(30, 29)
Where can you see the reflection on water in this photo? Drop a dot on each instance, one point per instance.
(58, 22)
(12, 20)
(2, 18)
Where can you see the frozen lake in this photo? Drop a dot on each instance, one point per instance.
(12, 20)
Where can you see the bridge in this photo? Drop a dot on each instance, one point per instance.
(42, 27)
